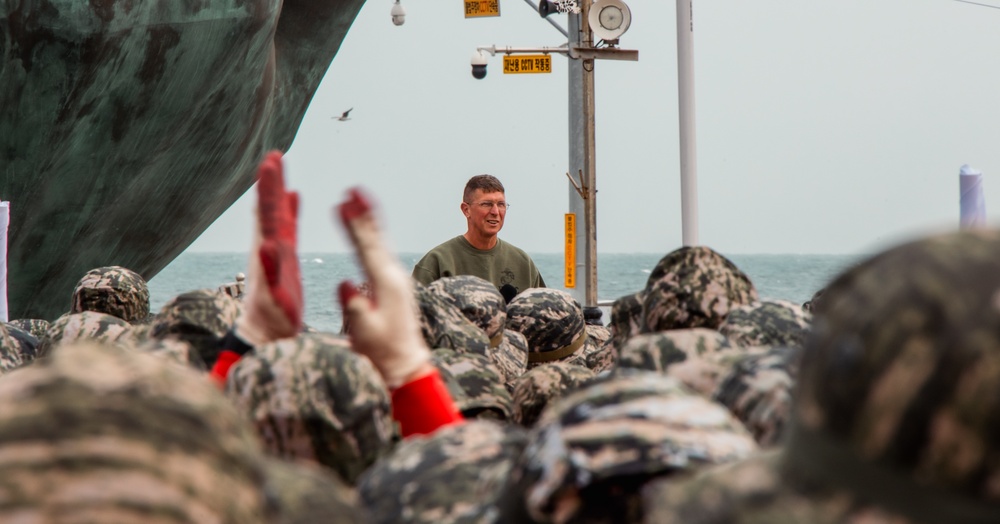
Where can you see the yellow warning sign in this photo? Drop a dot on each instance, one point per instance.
(520, 64)
(570, 280)
(477, 8)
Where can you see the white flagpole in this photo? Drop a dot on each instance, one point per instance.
(685, 92)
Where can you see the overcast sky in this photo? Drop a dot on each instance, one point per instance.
(823, 126)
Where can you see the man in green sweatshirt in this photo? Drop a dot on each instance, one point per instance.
(479, 252)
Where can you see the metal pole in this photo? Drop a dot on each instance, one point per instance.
(576, 154)
(685, 92)
(590, 162)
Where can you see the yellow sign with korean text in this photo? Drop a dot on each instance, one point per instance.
(570, 280)
(478, 8)
(520, 64)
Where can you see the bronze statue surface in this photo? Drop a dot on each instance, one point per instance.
(127, 127)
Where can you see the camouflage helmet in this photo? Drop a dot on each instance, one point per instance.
(173, 350)
(313, 398)
(114, 290)
(767, 323)
(599, 352)
(551, 320)
(483, 394)
(510, 357)
(758, 390)
(453, 475)
(477, 299)
(35, 326)
(626, 319)
(11, 351)
(102, 434)
(201, 318)
(895, 409)
(86, 325)
(592, 450)
(699, 358)
(26, 342)
(304, 493)
(812, 304)
(693, 287)
(444, 326)
(542, 385)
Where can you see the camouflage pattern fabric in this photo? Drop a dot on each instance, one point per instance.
(454, 475)
(87, 325)
(103, 434)
(483, 392)
(201, 318)
(477, 299)
(767, 323)
(600, 355)
(544, 384)
(895, 405)
(758, 390)
(114, 290)
(591, 451)
(312, 398)
(551, 320)
(752, 492)
(444, 326)
(626, 319)
(510, 357)
(303, 493)
(173, 350)
(36, 326)
(11, 352)
(700, 358)
(27, 344)
(693, 287)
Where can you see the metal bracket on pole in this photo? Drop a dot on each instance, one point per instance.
(581, 188)
(603, 53)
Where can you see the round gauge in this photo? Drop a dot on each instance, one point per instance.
(609, 19)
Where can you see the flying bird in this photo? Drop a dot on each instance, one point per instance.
(344, 116)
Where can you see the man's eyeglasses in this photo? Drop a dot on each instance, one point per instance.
(488, 206)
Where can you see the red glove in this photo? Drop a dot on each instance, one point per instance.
(278, 214)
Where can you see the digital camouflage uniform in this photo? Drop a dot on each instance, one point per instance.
(311, 397)
(86, 325)
(693, 287)
(758, 390)
(626, 319)
(477, 299)
(36, 326)
(453, 475)
(552, 321)
(444, 326)
(481, 303)
(767, 323)
(482, 393)
(511, 357)
(303, 493)
(201, 318)
(700, 357)
(102, 434)
(173, 350)
(544, 384)
(11, 352)
(27, 344)
(591, 451)
(895, 412)
(114, 290)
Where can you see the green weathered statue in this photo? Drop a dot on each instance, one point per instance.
(127, 127)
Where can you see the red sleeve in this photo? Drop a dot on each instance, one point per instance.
(221, 368)
(424, 405)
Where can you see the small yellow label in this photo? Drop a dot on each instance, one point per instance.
(570, 280)
(520, 64)
(477, 8)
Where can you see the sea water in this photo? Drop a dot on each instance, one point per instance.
(787, 277)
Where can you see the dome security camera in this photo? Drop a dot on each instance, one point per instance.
(478, 62)
(398, 13)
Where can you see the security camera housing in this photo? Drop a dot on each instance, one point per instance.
(478, 63)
